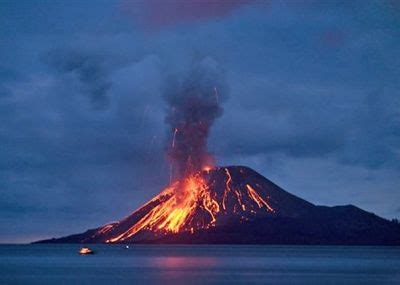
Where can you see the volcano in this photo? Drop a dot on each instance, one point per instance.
(238, 205)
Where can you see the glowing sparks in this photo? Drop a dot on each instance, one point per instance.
(216, 95)
(174, 137)
(207, 168)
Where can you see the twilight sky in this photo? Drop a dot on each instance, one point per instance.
(314, 103)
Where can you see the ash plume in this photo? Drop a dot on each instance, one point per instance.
(193, 105)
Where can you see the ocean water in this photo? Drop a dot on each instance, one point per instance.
(205, 264)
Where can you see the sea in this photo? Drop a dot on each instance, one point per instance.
(199, 264)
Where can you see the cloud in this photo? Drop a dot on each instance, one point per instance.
(87, 69)
(155, 14)
(313, 94)
(311, 121)
(56, 147)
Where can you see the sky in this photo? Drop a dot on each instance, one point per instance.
(312, 103)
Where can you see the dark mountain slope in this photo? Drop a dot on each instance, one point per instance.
(237, 205)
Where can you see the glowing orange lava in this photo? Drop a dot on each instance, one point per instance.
(207, 168)
(192, 204)
(182, 198)
(260, 201)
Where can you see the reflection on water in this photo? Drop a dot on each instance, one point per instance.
(183, 270)
(175, 262)
(114, 264)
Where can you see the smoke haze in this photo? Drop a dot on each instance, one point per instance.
(193, 106)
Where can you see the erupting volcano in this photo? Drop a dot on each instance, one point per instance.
(235, 204)
(198, 202)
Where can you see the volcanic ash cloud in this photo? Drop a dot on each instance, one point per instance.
(193, 105)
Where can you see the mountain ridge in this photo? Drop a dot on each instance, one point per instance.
(235, 204)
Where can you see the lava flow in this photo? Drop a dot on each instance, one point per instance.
(180, 202)
(198, 202)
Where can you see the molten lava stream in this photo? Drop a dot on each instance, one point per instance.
(175, 214)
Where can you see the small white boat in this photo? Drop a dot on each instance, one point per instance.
(85, 250)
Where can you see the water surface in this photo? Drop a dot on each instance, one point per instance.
(205, 264)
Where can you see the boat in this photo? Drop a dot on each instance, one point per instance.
(85, 250)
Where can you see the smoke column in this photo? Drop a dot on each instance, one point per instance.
(193, 106)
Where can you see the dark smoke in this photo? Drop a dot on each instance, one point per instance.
(193, 106)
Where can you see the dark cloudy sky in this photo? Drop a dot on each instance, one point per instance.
(314, 103)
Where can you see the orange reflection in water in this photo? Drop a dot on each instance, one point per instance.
(184, 262)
